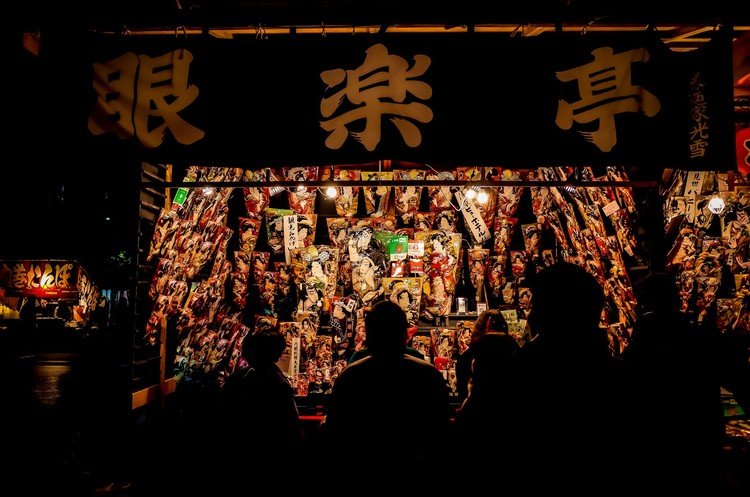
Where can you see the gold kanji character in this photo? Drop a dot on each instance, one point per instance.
(700, 130)
(378, 87)
(605, 88)
(160, 91)
(698, 148)
(114, 85)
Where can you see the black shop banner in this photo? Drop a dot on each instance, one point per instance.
(557, 98)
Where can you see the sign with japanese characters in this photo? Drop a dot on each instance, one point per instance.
(473, 99)
(41, 278)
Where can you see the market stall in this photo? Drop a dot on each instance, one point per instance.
(42, 301)
(395, 167)
(227, 260)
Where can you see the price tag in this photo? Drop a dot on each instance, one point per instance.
(611, 208)
(416, 249)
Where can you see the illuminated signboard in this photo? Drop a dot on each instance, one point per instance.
(51, 279)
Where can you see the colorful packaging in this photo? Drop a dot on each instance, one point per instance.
(440, 196)
(347, 197)
(338, 231)
(376, 197)
(302, 199)
(424, 221)
(441, 255)
(407, 197)
(248, 229)
(478, 261)
(445, 220)
(259, 265)
(421, 343)
(275, 228)
(464, 329)
(504, 228)
(443, 342)
(256, 199)
(316, 266)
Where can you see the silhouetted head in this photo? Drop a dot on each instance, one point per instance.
(566, 306)
(658, 293)
(493, 357)
(659, 320)
(385, 329)
(264, 347)
(487, 322)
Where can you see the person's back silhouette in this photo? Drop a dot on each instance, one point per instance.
(261, 398)
(488, 420)
(257, 405)
(569, 383)
(383, 400)
(675, 406)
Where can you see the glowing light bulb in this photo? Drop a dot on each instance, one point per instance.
(300, 189)
(208, 191)
(716, 204)
(471, 194)
(483, 197)
(331, 192)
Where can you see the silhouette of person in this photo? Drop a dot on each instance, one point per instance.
(379, 400)
(27, 315)
(488, 321)
(490, 414)
(675, 404)
(260, 396)
(569, 385)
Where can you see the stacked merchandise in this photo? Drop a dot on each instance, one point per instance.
(189, 248)
(316, 280)
(709, 251)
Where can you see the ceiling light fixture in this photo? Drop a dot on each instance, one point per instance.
(716, 204)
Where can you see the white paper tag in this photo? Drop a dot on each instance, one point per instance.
(416, 249)
(291, 236)
(481, 307)
(473, 219)
(690, 208)
(611, 208)
(694, 183)
(296, 345)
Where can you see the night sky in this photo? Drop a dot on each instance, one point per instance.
(57, 199)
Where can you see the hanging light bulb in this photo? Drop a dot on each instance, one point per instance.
(332, 192)
(716, 204)
(300, 189)
(483, 197)
(471, 193)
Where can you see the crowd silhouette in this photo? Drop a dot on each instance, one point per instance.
(560, 410)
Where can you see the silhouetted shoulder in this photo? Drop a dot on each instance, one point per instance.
(410, 359)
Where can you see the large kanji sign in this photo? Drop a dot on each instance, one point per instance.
(551, 99)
